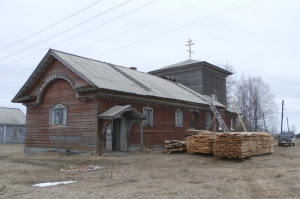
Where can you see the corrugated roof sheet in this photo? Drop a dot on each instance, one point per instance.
(230, 110)
(12, 116)
(114, 111)
(104, 76)
(118, 110)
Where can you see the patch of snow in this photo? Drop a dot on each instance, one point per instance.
(82, 168)
(48, 184)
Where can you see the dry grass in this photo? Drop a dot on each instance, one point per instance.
(151, 175)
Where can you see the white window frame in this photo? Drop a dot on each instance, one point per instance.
(148, 112)
(178, 118)
(207, 120)
(214, 96)
(231, 124)
(58, 115)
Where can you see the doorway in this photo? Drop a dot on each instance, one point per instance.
(116, 135)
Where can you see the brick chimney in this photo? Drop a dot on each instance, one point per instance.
(132, 68)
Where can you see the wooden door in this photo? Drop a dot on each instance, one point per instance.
(116, 136)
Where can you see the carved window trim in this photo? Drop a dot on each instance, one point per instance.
(58, 115)
(178, 118)
(148, 112)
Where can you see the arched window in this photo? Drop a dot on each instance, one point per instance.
(58, 115)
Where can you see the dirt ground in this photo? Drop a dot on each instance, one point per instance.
(151, 175)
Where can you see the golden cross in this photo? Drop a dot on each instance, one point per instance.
(189, 45)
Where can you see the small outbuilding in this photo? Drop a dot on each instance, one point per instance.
(12, 125)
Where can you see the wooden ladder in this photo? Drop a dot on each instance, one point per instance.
(211, 105)
(218, 116)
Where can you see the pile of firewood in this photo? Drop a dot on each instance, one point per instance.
(202, 142)
(174, 146)
(242, 144)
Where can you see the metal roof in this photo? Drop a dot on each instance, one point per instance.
(12, 116)
(190, 62)
(117, 111)
(117, 78)
(107, 76)
(230, 110)
(183, 63)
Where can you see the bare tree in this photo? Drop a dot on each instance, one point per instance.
(256, 103)
(293, 128)
(230, 82)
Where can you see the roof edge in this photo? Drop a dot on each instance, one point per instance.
(192, 65)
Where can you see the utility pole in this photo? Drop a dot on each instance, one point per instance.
(282, 115)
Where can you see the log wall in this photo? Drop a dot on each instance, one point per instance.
(80, 132)
(163, 122)
(54, 68)
(81, 129)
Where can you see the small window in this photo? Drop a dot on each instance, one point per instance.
(207, 120)
(58, 115)
(15, 134)
(231, 124)
(214, 96)
(148, 112)
(178, 119)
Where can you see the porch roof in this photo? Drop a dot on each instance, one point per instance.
(117, 111)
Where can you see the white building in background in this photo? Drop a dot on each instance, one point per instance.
(12, 125)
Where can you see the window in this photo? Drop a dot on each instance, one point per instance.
(58, 115)
(148, 112)
(15, 134)
(178, 118)
(231, 124)
(207, 120)
(214, 96)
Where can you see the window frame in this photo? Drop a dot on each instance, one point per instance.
(148, 112)
(231, 124)
(55, 111)
(180, 118)
(207, 120)
(15, 134)
(214, 96)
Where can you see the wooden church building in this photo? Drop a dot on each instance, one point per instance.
(81, 105)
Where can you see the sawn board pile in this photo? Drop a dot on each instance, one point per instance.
(242, 144)
(202, 142)
(174, 146)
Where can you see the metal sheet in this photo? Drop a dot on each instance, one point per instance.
(12, 116)
(117, 78)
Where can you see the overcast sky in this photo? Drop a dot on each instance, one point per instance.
(259, 38)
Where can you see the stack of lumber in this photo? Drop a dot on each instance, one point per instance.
(202, 142)
(174, 146)
(242, 144)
